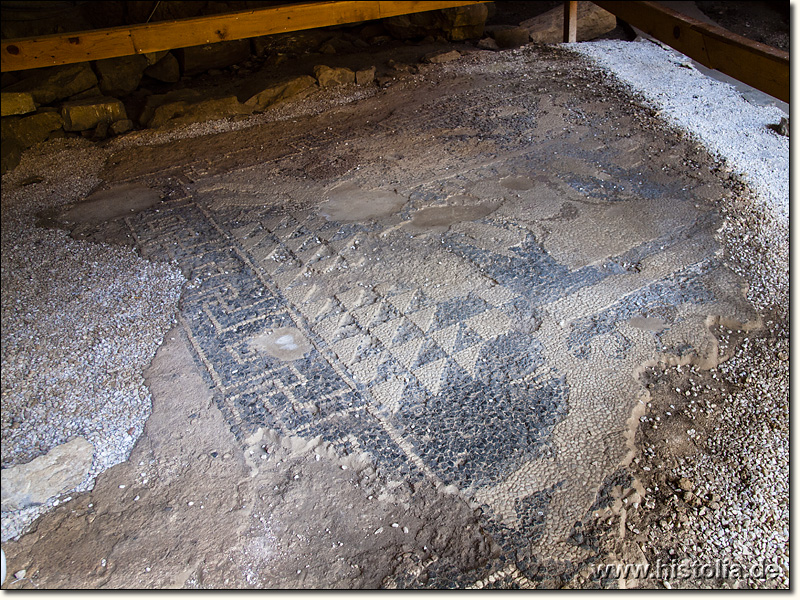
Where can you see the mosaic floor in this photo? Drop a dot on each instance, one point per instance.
(469, 302)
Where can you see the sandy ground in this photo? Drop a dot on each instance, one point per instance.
(213, 498)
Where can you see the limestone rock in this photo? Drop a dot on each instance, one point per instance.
(465, 22)
(488, 43)
(782, 128)
(548, 28)
(56, 83)
(93, 92)
(456, 24)
(166, 69)
(32, 129)
(121, 127)
(16, 103)
(156, 100)
(182, 112)
(442, 57)
(80, 115)
(365, 76)
(58, 471)
(120, 76)
(198, 59)
(512, 37)
(154, 57)
(10, 155)
(329, 76)
(279, 91)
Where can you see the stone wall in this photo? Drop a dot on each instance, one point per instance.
(109, 97)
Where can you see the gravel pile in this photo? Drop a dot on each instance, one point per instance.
(80, 322)
(750, 470)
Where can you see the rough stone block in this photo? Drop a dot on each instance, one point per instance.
(16, 103)
(151, 103)
(198, 59)
(154, 57)
(329, 76)
(279, 91)
(32, 129)
(166, 69)
(465, 22)
(58, 471)
(121, 127)
(120, 76)
(93, 92)
(365, 76)
(56, 83)
(512, 37)
(488, 43)
(10, 155)
(456, 24)
(548, 28)
(80, 115)
(441, 57)
(182, 112)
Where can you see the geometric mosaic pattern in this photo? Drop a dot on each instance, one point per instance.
(510, 379)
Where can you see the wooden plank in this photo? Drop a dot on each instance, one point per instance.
(62, 49)
(758, 65)
(570, 21)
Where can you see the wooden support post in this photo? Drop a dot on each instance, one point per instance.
(80, 46)
(570, 21)
(758, 65)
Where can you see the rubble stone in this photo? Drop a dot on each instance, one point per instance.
(120, 76)
(279, 91)
(58, 471)
(80, 115)
(16, 103)
(329, 76)
(198, 59)
(365, 76)
(166, 69)
(182, 112)
(442, 57)
(121, 126)
(32, 129)
(512, 37)
(56, 83)
(456, 24)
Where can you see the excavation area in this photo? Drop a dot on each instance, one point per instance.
(492, 325)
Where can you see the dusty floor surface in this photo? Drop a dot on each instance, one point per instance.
(422, 328)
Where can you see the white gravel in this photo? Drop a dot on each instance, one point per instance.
(80, 322)
(714, 112)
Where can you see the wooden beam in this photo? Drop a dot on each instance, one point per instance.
(67, 48)
(570, 21)
(758, 65)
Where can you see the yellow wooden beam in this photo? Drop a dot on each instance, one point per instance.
(67, 48)
(758, 65)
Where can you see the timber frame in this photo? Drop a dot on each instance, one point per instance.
(97, 44)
